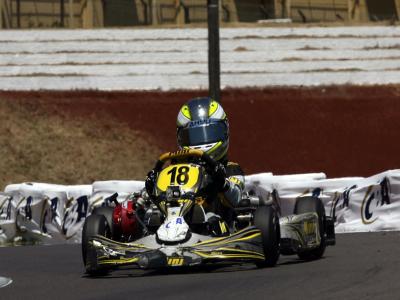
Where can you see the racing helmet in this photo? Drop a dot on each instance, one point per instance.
(202, 124)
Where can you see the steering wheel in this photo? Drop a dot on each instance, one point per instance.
(182, 154)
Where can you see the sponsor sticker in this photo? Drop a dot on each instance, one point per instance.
(175, 261)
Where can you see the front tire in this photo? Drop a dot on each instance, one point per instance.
(267, 221)
(94, 225)
(107, 212)
(307, 205)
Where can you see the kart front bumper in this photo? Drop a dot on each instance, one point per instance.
(243, 246)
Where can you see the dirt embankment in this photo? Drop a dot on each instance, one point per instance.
(42, 141)
(78, 137)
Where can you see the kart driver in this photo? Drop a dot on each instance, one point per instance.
(202, 124)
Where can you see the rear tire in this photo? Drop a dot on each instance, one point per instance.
(94, 225)
(266, 219)
(307, 205)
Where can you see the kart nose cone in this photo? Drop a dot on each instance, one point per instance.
(4, 281)
(143, 262)
(152, 260)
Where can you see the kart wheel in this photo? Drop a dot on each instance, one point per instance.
(107, 212)
(307, 205)
(266, 219)
(94, 225)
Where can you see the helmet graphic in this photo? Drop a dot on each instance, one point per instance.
(202, 124)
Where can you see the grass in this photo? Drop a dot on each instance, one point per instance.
(50, 146)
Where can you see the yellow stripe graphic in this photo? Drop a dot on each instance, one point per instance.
(207, 255)
(229, 240)
(119, 261)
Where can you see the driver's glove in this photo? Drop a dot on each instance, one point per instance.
(219, 177)
(150, 182)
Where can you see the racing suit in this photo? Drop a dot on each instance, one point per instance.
(232, 194)
(220, 202)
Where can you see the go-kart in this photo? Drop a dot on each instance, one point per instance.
(175, 231)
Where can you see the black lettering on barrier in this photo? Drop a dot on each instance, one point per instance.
(66, 223)
(74, 216)
(2, 209)
(53, 208)
(367, 213)
(381, 196)
(346, 196)
(28, 209)
(385, 191)
(8, 217)
(82, 208)
(53, 214)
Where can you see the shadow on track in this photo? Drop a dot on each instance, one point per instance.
(216, 268)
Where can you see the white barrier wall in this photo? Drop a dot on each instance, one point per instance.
(359, 204)
(171, 59)
(55, 214)
(43, 212)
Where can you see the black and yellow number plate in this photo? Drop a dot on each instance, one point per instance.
(184, 175)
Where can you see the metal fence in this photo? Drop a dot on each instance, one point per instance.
(119, 13)
(319, 11)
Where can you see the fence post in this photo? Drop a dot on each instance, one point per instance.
(288, 8)
(180, 13)
(62, 13)
(19, 13)
(231, 7)
(88, 14)
(5, 14)
(71, 13)
(1, 13)
(214, 80)
(154, 17)
(397, 5)
(353, 7)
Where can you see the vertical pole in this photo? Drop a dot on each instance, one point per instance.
(62, 13)
(19, 13)
(71, 13)
(214, 72)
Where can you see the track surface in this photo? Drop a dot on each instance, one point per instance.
(361, 266)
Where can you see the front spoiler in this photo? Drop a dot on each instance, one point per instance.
(243, 246)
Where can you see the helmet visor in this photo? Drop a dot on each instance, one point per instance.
(208, 133)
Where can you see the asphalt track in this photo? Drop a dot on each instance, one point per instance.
(360, 266)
